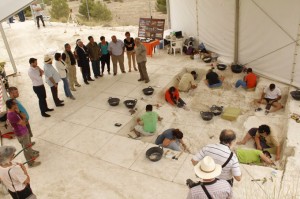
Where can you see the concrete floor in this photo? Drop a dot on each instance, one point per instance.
(84, 155)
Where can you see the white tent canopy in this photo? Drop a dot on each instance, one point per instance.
(10, 7)
(7, 9)
(267, 32)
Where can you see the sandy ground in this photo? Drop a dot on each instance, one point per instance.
(127, 12)
(85, 156)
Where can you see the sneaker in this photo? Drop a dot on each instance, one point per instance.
(59, 105)
(147, 81)
(90, 79)
(34, 164)
(35, 155)
(46, 115)
(258, 109)
(123, 71)
(49, 109)
(115, 74)
(86, 82)
(34, 152)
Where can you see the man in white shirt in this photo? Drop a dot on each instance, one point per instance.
(38, 13)
(222, 154)
(270, 96)
(116, 50)
(187, 82)
(35, 73)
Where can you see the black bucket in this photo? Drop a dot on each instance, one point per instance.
(130, 103)
(155, 153)
(113, 101)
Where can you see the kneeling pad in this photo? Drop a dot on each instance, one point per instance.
(231, 113)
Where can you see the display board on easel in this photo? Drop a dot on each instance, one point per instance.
(151, 28)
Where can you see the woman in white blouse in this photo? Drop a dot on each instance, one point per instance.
(62, 70)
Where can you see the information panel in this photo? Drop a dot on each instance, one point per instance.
(151, 28)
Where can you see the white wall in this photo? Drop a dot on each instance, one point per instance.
(265, 27)
(183, 17)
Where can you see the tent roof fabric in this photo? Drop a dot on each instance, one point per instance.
(267, 33)
(9, 7)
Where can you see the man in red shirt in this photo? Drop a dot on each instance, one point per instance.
(249, 80)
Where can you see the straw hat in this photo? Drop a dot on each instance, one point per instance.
(207, 168)
(6, 152)
(47, 59)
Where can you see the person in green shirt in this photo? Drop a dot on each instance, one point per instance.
(253, 156)
(146, 123)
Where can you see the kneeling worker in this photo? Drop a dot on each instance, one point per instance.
(253, 156)
(146, 123)
(187, 82)
(171, 138)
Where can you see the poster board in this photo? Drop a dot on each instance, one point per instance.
(151, 28)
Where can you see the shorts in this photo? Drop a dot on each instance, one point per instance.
(141, 130)
(269, 100)
(252, 132)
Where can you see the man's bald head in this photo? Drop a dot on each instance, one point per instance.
(227, 136)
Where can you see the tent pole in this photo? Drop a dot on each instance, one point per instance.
(168, 13)
(7, 48)
(236, 36)
(197, 20)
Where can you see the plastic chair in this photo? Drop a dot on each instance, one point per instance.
(177, 45)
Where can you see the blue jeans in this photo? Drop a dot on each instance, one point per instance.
(96, 67)
(240, 83)
(66, 87)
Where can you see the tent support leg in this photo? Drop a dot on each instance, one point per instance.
(236, 36)
(8, 48)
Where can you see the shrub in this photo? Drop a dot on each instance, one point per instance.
(161, 6)
(27, 12)
(48, 2)
(98, 11)
(60, 9)
(101, 12)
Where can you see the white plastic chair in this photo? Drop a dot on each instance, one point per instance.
(177, 45)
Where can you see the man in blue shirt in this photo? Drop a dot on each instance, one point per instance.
(171, 138)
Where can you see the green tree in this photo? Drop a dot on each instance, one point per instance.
(60, 9)
(97, 10)
(83, 9)
(161, 6)
(101, 12)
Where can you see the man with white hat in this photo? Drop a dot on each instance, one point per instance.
(222, 154)
(14, 175)
(209, 187)
(52, 78)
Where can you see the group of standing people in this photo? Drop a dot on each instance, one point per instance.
(83, 55)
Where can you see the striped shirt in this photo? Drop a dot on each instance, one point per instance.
(220, 153)
(217, 190)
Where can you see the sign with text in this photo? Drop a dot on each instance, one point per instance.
(151, 28)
